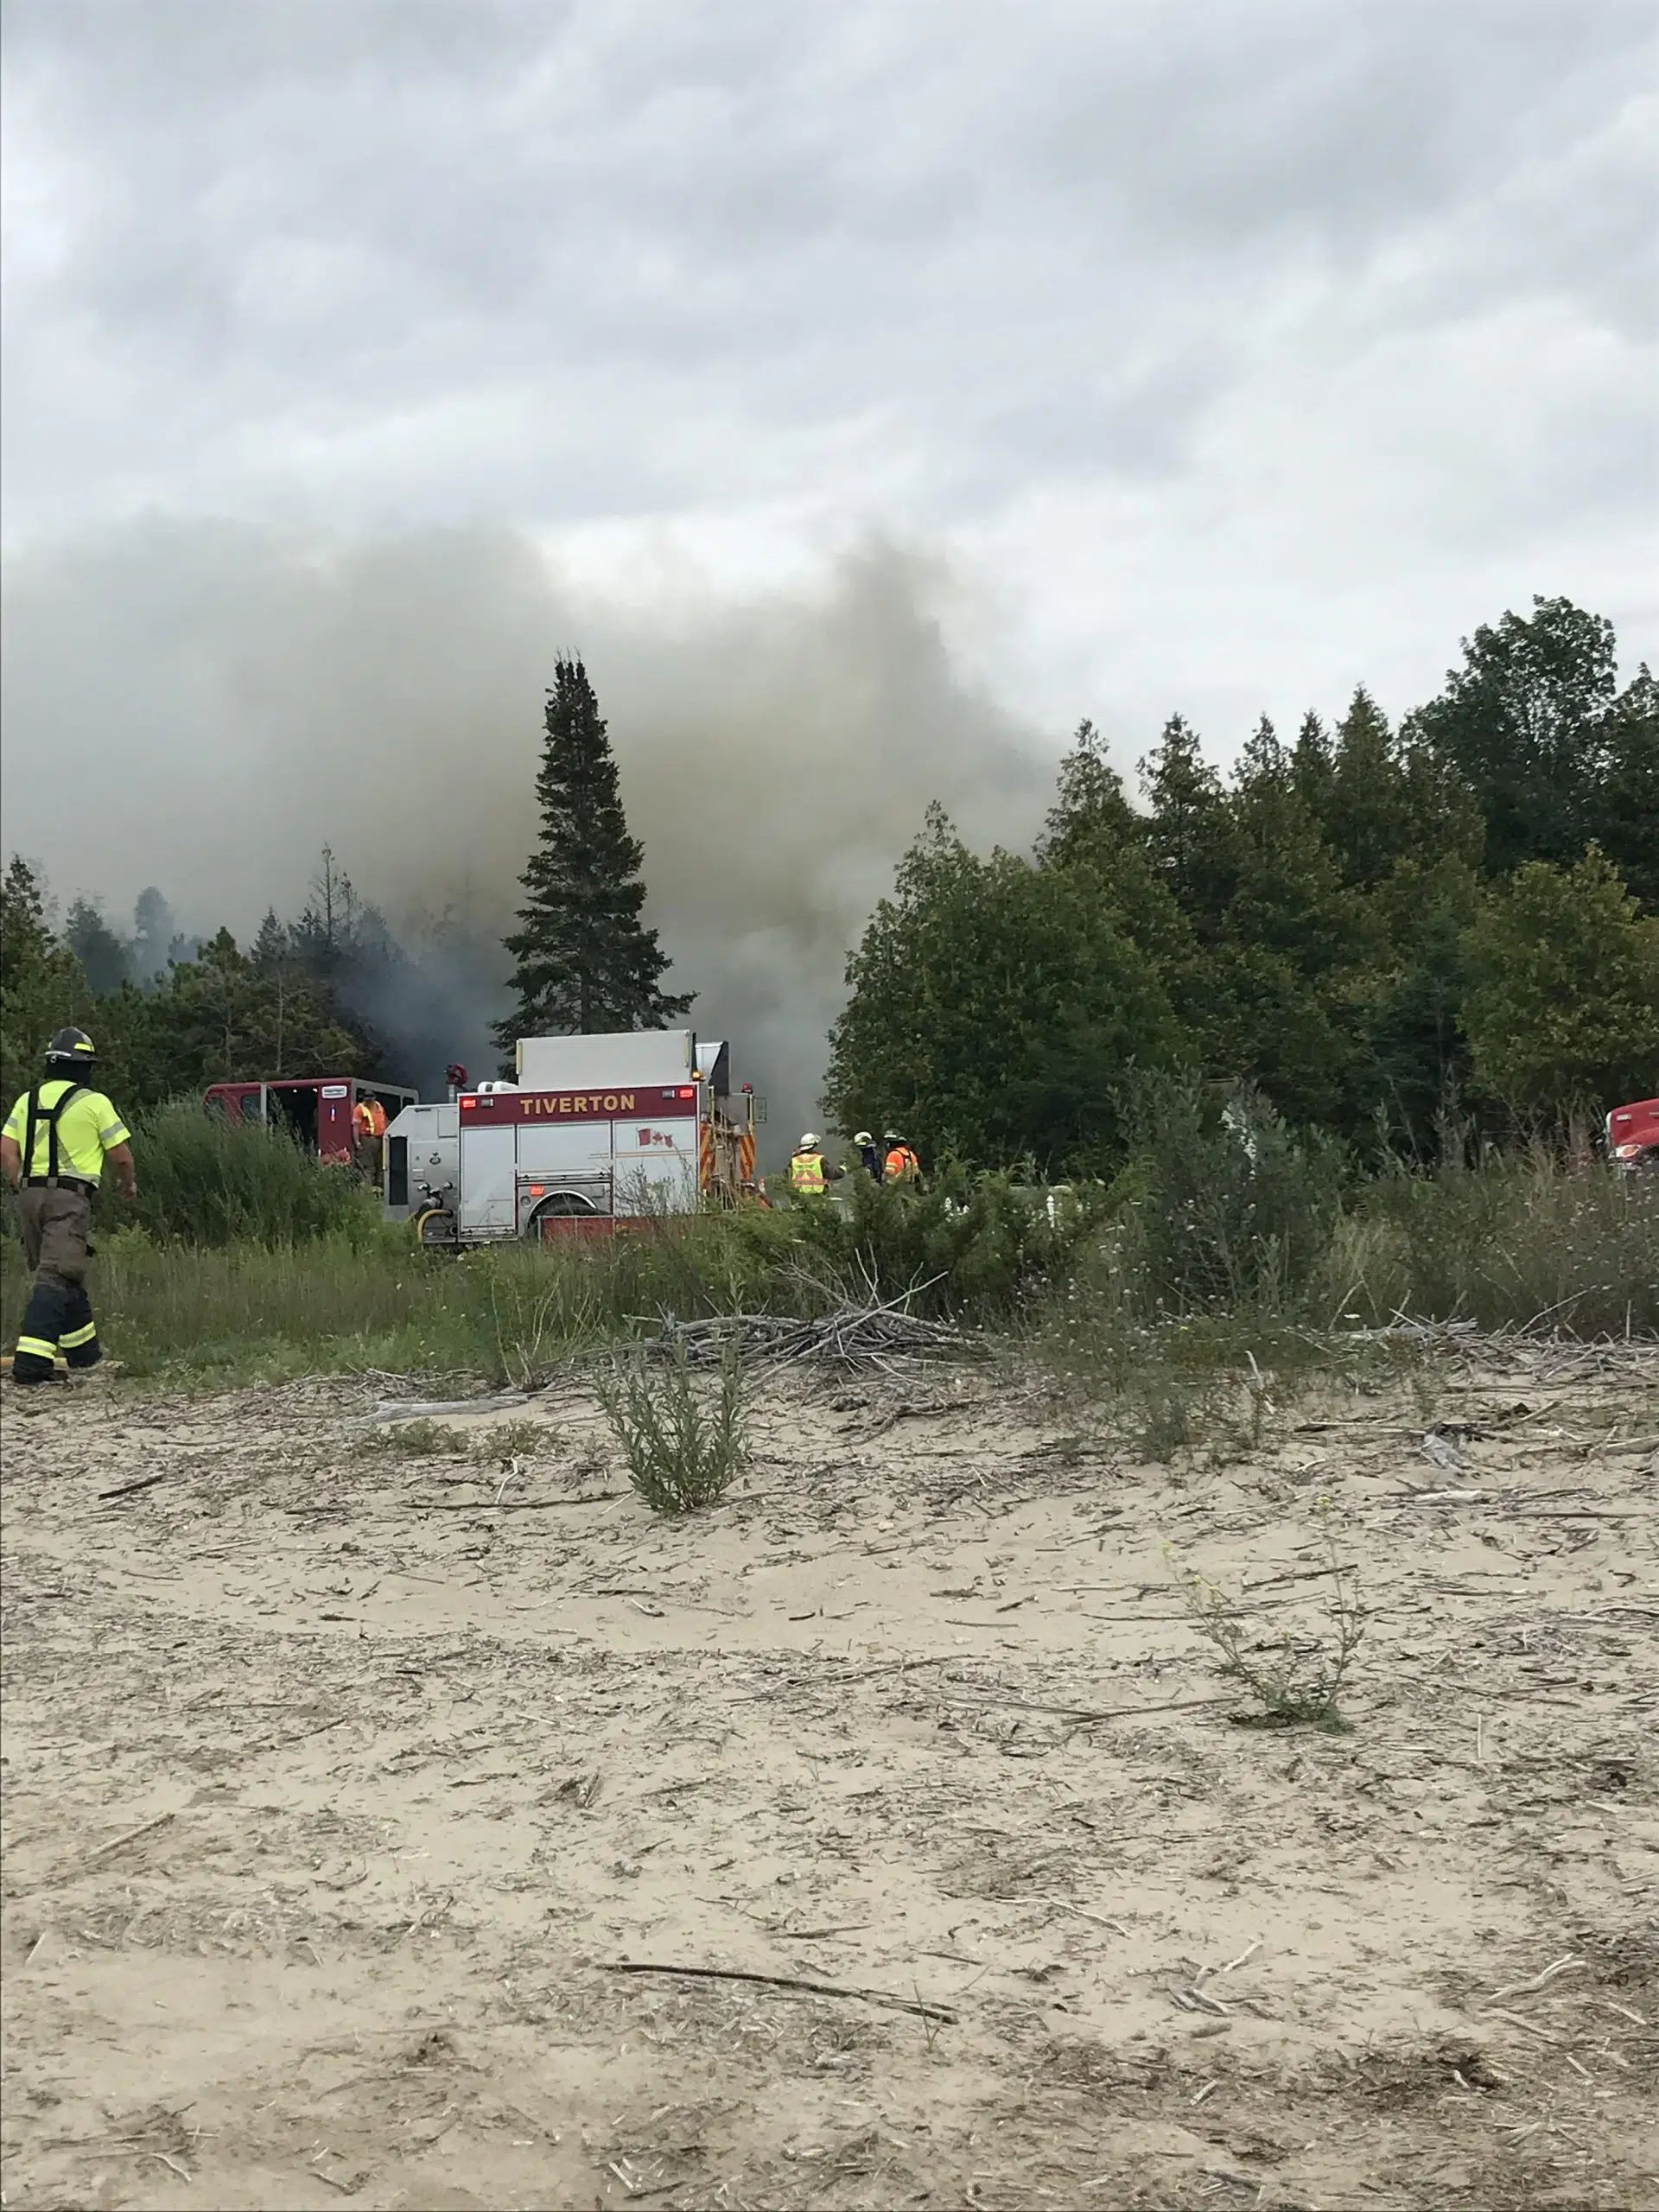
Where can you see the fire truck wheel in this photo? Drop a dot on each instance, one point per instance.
(435, 1225)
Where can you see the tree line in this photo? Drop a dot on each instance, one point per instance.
(171, 1015)
(333, 991)
(1378, 927)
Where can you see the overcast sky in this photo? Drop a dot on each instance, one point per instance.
(1220, 355)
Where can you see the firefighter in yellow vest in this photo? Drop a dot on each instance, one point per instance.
(56, 1139)
(901, 1164)
(810, 1172)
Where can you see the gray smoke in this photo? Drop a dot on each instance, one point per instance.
(232, 700)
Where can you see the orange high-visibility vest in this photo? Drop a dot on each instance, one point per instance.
(901, 1165)
(806, 1172)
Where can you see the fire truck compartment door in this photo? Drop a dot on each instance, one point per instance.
(567, 1156)
(489, 1181)
(655, 1161)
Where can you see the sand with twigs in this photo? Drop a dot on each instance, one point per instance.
(359, 1805)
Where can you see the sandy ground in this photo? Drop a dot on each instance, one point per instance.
(340, 1794)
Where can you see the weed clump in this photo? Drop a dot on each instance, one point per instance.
(1295, 1681)
(414, 1439)
(684, 1438)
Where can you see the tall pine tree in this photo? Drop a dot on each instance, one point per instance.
(583, 960)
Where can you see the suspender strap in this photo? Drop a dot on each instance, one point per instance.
(48, 1115)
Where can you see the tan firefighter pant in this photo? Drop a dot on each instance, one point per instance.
(57, 1226)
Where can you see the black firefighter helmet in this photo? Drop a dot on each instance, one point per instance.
(72, 1051)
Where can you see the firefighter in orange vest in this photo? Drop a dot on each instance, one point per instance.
(368, 1127)
(901, 1164)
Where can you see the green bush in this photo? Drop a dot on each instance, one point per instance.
(1224, 1208)
(684, 1436)
(972, 1247)
(204, 1179)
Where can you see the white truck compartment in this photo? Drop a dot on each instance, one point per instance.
(630, 1056)
(423, 1159)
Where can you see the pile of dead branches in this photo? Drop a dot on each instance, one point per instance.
(851, 1336)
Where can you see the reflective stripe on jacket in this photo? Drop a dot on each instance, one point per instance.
(902, 1165)
(806, 1171)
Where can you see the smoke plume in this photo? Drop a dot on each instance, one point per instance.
(203, 707)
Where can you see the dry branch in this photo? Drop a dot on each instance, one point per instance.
(850, 1335)
(789, 1981)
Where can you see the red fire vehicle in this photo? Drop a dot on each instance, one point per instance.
(316, 1108)
(1633, 1136)
(597, 1133)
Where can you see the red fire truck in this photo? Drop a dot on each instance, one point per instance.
(1633, 1136)
(597, 1131)
(316, 1108)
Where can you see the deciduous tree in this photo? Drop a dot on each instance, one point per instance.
(1564, 1009)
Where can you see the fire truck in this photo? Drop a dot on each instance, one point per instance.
(596, 1133)
(316, 1110)
(1633, 1136)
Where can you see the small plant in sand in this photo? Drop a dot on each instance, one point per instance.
(1295, 1681)
(684, 1436)
(415, 1439)
(522, 1440)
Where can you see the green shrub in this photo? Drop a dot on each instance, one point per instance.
(972, 1247)
(204, 1179)
(1225, 1209)
(684, 1436)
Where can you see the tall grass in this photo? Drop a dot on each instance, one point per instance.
(1239, 1262)
(1507, 1241)
(206, 1180)
(1219, 1244)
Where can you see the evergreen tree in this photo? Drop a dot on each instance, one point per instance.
(1364, 814)
(222, 1018)
(102, 955)
(1090, 819)
(1414, 1070)
(321, 941)
(41, 988)
(154, 936)
(995, 1009)
(1189, 834)
(583, 961)
(1263, 762)
(1312, 765)
(1624, 819)
(1385, 798)
(270, 953)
